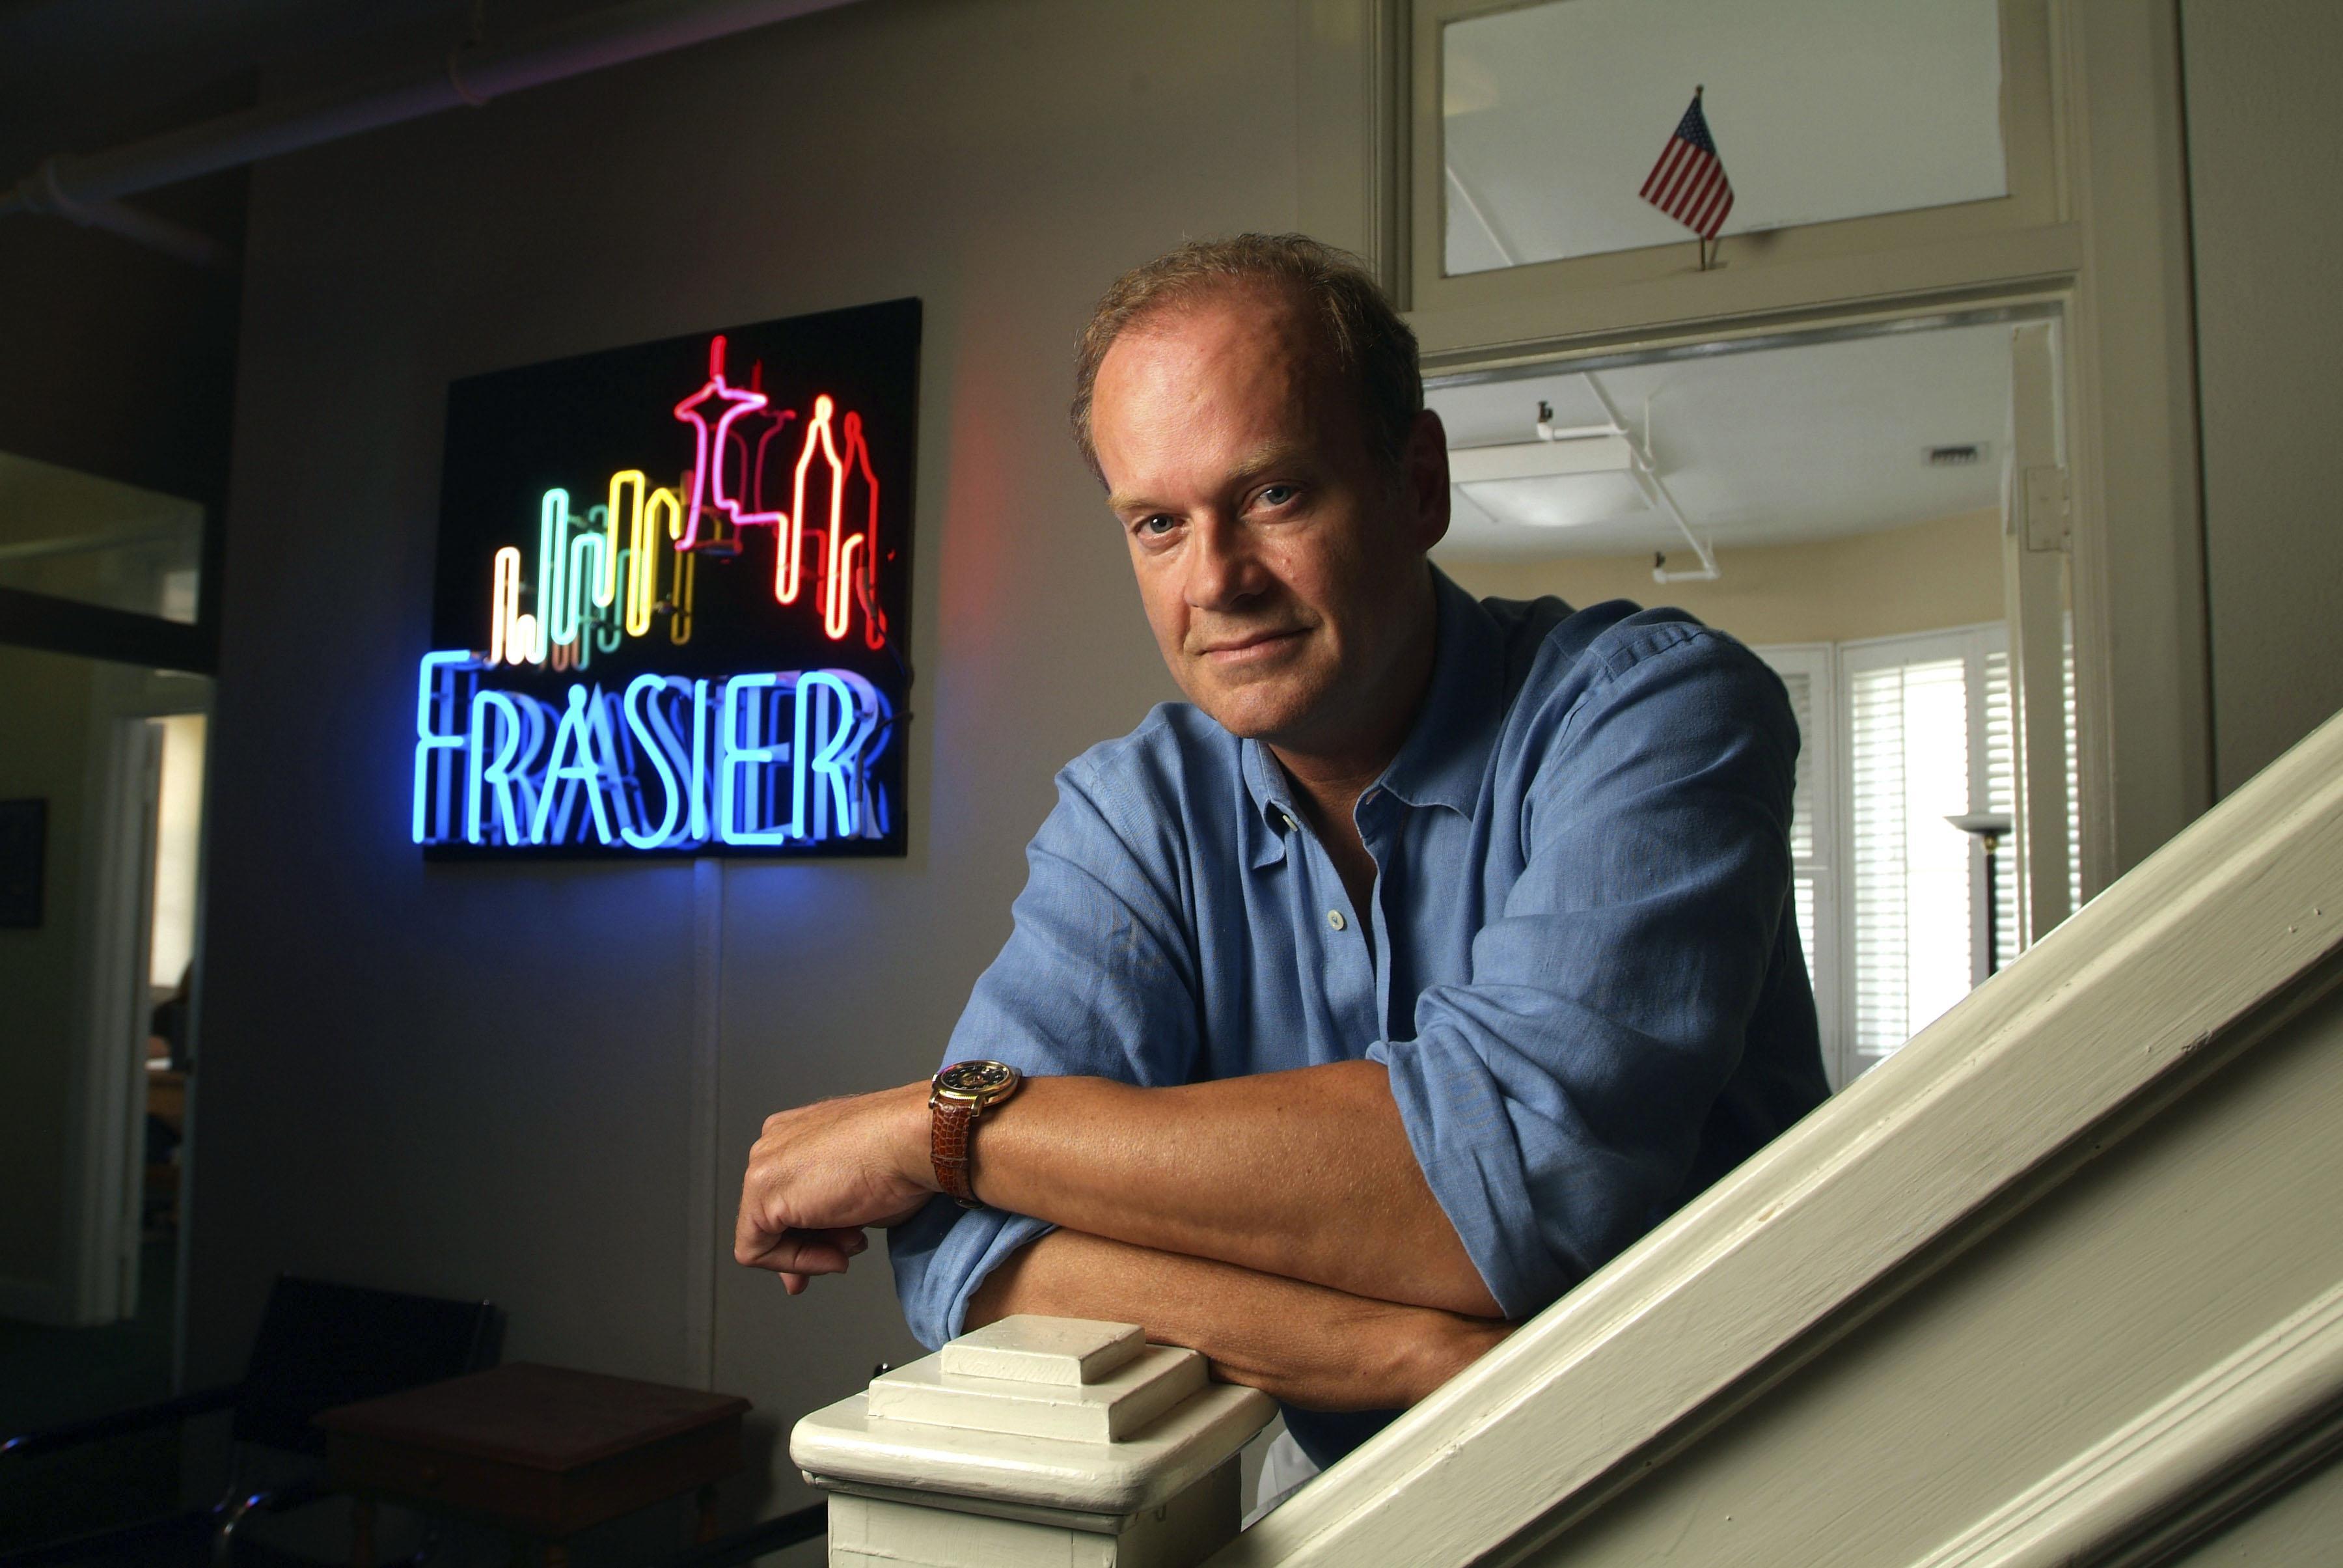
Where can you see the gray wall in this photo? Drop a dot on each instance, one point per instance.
(483, 1080)
(2264, 148)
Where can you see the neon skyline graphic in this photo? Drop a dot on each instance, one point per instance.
(610, 573)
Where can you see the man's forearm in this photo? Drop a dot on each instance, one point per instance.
(1305, 1174)
(1318, 1348)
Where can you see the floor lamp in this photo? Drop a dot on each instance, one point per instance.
(1988, 828)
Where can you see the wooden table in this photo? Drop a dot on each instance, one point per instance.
(545, 1452)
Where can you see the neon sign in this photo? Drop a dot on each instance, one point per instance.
(672, 592)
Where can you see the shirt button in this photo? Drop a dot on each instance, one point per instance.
(1334, 919)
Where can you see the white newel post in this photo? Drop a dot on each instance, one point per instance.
(1034, 1441)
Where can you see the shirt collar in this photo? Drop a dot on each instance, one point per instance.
(1446, 753)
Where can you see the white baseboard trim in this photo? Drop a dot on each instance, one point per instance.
(32, 1301)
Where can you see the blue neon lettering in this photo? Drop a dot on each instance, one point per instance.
(875, 822)
(538, 718)
(432, 691)
(832, 752)
(700, 762)
(732, 756)
(767, 759)
(616, 782)
(653, 741)
(573, 762)
(498, 773)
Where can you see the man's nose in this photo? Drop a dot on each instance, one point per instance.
(1222, 570)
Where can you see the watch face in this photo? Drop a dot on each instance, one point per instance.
(976, 1079)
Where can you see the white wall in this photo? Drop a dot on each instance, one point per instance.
(1923, 578)
(479, 1080)
(2264, 144)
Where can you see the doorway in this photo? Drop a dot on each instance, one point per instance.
(1852, 503)
(103, 740)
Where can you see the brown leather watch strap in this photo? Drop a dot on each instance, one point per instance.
(948, 1147)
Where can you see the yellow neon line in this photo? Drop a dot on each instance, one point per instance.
(629, 482)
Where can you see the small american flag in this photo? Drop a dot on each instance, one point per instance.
(1688, 182)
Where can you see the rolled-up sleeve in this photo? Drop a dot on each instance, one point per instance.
(1096, 979)
(1557, 1100)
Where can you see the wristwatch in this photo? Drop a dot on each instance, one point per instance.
(957, 1097)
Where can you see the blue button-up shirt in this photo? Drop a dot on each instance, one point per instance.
(1580, 964)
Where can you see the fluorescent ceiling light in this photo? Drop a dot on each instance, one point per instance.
(1566, 483)
(1560, 501)
(1542, 459)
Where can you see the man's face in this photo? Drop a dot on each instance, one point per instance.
(1280, 563)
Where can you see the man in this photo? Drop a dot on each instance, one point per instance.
(1429, 955)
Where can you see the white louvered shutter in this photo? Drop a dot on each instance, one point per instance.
(2074, 777)
(1927, 728)
(2000, 789)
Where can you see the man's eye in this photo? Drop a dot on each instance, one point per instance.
(1155, 526)
(1277, 495)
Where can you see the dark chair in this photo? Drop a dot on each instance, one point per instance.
(319, 1345)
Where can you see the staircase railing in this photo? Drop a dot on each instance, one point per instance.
(2220, 939)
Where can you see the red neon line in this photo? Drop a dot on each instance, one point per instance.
(874, 622)
(833, 621)
(709, 443)
(789, 570)
(850, 563)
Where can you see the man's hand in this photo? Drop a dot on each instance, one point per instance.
(823, 1171)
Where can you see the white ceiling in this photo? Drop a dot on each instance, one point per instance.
(1773, 446)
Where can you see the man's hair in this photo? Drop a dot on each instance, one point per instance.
(1374, 350)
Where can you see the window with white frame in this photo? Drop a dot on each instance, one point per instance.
(1899, 733)
(1552, 116)
(1845, 127)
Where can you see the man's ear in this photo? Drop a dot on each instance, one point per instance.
(1427, 478)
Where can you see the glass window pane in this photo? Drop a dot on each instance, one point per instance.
(1821, 109)
(75, 536)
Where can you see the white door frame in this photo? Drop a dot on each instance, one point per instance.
(105, 1187)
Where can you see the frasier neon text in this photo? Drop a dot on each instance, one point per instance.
(775, 759)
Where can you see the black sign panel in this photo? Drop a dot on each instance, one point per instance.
(673, 595)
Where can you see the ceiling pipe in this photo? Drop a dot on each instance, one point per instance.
(42, 193)
(87, 187)
(1648, 475)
